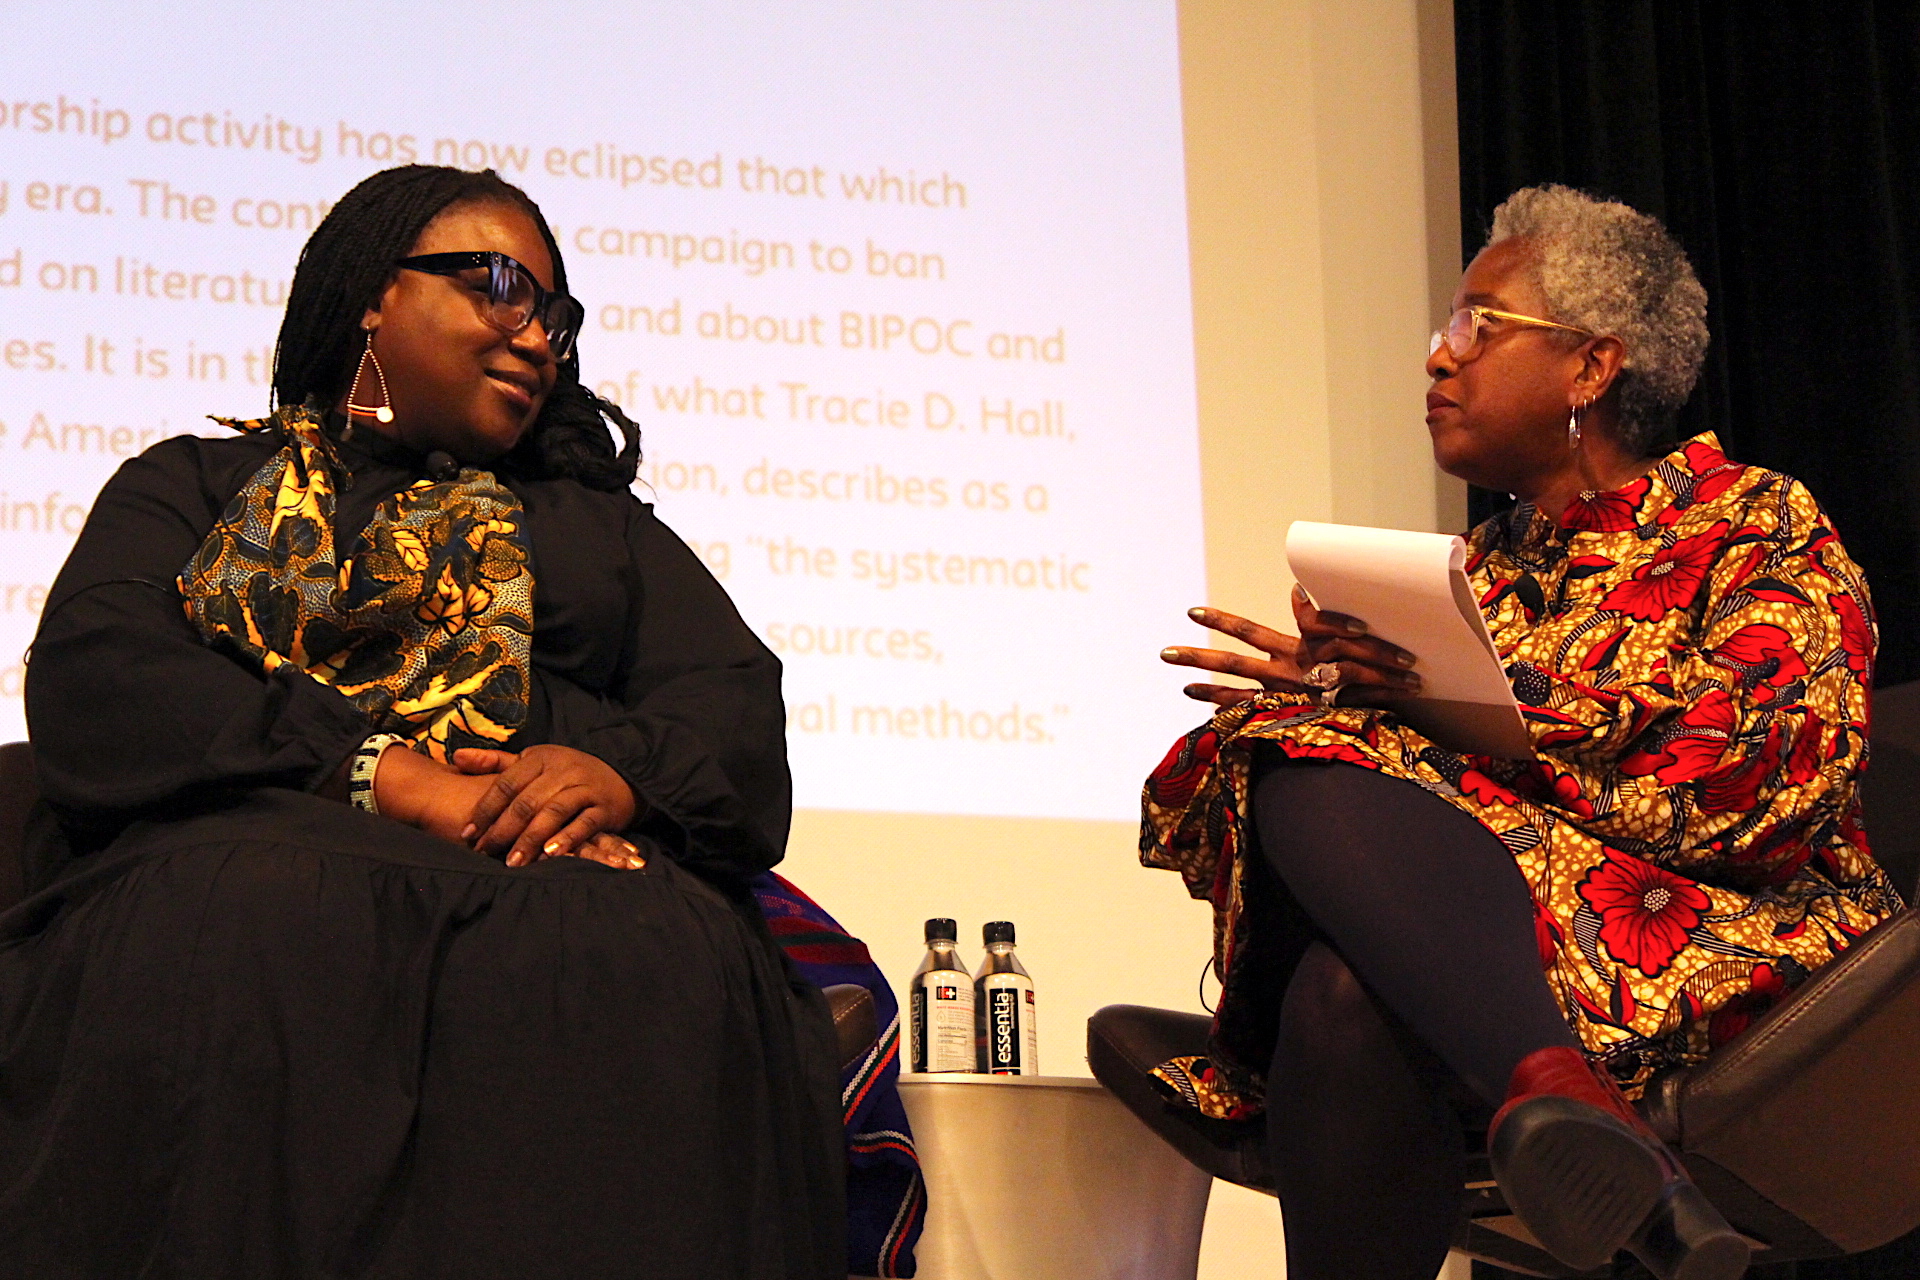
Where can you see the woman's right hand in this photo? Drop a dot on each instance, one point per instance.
(421, 792)
(1373, 673)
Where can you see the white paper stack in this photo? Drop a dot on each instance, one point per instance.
(1411, 590)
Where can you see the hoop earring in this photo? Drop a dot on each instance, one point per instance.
(382, 412)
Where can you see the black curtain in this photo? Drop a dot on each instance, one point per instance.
(1780, 141)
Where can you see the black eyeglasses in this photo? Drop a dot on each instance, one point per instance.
(514, 298)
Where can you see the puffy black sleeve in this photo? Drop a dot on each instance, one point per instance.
(129, 713)
(694, 720)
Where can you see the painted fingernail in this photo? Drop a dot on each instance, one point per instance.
(552, 846)
(1169, 655)
(1404, 658)
(1198, 613)
(1299, 593)
(1411, 681)
(515, 859)
(1354, 627)
(466, 832)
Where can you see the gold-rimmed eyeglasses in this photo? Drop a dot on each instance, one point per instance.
(1462, 334)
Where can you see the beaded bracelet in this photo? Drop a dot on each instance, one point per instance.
(366, 763)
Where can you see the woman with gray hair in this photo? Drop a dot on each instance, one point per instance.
(1415, 943)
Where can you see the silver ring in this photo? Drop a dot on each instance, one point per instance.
(1323, 678)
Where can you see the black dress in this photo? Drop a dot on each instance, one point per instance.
(249, 1032)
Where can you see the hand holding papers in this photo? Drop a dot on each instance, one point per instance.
(1411, 590)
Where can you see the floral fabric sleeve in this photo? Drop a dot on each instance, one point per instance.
(1727, 674)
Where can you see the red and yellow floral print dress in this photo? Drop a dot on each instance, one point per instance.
(1694, 656)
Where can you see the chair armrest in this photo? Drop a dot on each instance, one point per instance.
(1813, 1106)
(1125, 1042)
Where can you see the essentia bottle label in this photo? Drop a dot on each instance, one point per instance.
(1007, 1039)
(942, 1022)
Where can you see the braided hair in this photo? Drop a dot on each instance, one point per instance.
(345, 267)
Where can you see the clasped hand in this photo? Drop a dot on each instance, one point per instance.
(544, 802)
(1373, 673)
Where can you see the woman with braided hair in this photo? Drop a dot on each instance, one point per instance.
(405, 779)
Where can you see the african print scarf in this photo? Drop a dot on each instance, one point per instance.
(426, 624)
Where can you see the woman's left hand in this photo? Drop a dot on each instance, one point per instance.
(547, 801)
(1372, 672)
(607, 848)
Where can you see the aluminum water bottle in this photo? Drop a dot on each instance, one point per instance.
(1005, 1040)
(940, 1024)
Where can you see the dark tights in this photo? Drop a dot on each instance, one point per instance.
(1425, 976)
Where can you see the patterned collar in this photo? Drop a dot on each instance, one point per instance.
(1697, 471)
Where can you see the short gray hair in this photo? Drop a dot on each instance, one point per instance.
(1613, 270)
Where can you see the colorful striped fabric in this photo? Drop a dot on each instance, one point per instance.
(886, 1200)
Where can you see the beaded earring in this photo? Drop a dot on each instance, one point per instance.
(382, 412)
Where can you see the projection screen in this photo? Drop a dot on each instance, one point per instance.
(898, 294)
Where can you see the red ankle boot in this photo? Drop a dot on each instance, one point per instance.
(1587, 1176)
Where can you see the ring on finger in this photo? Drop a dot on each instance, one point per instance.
(1323, 682)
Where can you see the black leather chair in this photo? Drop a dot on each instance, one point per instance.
(1804, 1131)
(855, 1020)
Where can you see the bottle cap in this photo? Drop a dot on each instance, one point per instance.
(997, 931)
(942, 929)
